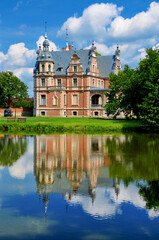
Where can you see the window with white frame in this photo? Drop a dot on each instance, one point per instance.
(75, 82)
(93, 82)
(52, 82)
(49, 68)
(43, 100)
(75, 68)
(102, 84)
(43, 113)
(74, 113)
(74, 99)
(59, 82)
(64, 99)
(99, 83)
(93, 68)
(43, 68)
(43, 82)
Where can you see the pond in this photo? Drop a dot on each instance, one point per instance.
(79, 187)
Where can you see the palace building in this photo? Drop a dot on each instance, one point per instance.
(72, 82)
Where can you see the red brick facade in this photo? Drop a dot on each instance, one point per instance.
(71, 90)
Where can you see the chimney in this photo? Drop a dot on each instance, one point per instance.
(70, 47)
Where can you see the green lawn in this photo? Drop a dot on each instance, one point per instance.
(59, 124)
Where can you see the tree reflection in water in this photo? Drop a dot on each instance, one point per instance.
(11, 149)
(135, 158)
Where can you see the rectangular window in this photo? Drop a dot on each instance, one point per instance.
(102, 84)
(52, 82)
(93, 82)
(43, 100)
(75, 68)
(65, 99)
(43, 82)
(75, 82)
(59, 82)
(99, 83)
(42, 113)
(74, 99)
(93, 68)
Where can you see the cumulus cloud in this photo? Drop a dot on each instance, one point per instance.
(17, 56)
(142, 25)
(93, 23)
(103, 22)
(20, 60)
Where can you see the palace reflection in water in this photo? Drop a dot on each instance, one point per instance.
(71, 164)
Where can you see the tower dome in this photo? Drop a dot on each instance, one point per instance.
(46, 44)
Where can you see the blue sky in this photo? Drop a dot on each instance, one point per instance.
(131, 24)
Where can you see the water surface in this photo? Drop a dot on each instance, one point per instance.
(79, 187)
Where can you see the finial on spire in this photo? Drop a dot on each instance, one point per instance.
(45, 29)
(67, 47)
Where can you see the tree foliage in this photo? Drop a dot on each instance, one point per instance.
(125, 94)
(149, 74)
(137, 90)
(11, 87)
(24, 103)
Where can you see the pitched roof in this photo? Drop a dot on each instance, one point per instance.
(62, 59)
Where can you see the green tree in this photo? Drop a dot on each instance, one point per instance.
(24, 103)
(11, 87)
(125, 95)
(137, 90)
(148, 72)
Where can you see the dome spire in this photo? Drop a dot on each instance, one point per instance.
(46, 42)
(45, 29)
(67, 47)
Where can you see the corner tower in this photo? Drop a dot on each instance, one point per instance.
(43, 74)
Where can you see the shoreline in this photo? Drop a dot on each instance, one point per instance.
(51, 125)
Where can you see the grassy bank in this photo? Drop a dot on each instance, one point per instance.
(75, 125)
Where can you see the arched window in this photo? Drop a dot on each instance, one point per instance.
(55, 100)
(49, 68)
(43, 68)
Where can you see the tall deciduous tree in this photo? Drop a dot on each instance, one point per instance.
(125, 94)
(148, 71)
(11, 87)
(137, 90)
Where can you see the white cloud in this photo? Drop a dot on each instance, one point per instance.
(93, 22)
(19, 55)
(103, 22)
(142, 25)
(20, 60)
